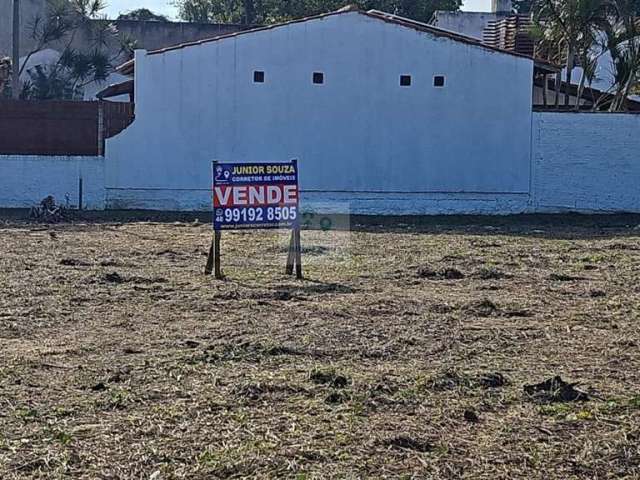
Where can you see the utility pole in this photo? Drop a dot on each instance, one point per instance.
(15, 62)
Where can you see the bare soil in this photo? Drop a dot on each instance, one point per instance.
(404, 353)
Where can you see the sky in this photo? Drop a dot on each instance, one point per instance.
(164, 7)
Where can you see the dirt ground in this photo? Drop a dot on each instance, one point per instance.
(403, 354)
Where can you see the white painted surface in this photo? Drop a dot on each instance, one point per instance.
(45, 57)
(471, 24)
(365, 144)
(586, 162)
(25, 180)
(358, 133)
(581, 162)
(336, 202)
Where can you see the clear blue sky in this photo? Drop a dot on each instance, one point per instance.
(164, 7)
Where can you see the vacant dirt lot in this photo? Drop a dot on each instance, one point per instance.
(404, 353)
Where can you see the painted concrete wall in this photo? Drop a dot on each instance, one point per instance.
(25, 180)
(152, 35)
(580, 162)
(586, 162)
(359, 133)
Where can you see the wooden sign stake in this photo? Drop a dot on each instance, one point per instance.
(213, 260)
(291, 255)
(294, 256)
(296, 234)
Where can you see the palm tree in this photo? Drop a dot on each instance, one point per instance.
(622, 40)
(74, 69)
(573, 25)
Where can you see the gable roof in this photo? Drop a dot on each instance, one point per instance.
(127, 68)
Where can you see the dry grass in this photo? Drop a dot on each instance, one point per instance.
(121, 360)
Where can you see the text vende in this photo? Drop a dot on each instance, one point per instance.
(254, 195)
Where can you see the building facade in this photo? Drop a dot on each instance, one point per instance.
(377, 109)
(385, 115)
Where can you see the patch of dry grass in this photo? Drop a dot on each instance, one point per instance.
(403, 354)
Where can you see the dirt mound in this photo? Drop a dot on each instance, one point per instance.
(490, 273)
(449, 273)
(115, 277)
(404, 442)
(452, 379)
(483, 308)
(333, 379)
(562, 277)
(471, 416)
(74, 262)
(555, 390)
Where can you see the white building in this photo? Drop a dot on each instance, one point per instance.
(383, 113)
(469, 23)
(474, 24)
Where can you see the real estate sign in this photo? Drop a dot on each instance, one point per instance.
(255, 195)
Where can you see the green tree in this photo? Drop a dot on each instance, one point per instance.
(251, 12)
(622, 40)
(5, 76)
(143, 14)
(63, 22)
(569, 30)
(585, 30)
(523, 6)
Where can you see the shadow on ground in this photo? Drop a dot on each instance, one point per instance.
(565, 225)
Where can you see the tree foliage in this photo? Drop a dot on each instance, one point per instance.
(251, 12)
(570, 29)
(63, 22)
(580, 32)
(622, 41)
(522, 6)
(143, 14)
(5, 76)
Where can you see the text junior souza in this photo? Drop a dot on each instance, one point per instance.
(263, 169)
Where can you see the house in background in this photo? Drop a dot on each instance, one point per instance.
(148, 34)
(503, 28)
(385, 116)
(379, 110)
(472, 24)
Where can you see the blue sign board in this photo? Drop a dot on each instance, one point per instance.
(255, 195)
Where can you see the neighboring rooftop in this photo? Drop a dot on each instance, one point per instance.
(472, 23)
(128, 67)
(149, 35)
